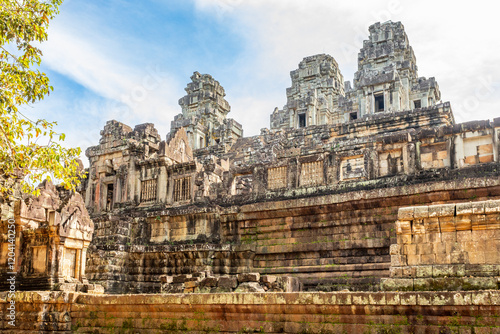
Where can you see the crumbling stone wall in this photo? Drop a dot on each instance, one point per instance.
(52, 234)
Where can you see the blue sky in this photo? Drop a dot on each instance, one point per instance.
(131, 60)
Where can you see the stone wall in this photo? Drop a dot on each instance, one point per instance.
(52, 233)
(340, 312)
(447, 247)
(330, 242)
(316, 196)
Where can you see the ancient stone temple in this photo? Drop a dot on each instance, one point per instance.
(386, 81)
(47, 238)
(320, 197)
(204, 112)
(365, 208)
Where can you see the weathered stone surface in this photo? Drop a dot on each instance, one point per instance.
(249, 287)
(268, 279)
(44, 240)
(227, 282)
(209, 282)
(343, 173)
(337, 312)
(457, 250)
(248, 277)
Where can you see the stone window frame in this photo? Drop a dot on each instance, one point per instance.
(376, 97)
(182, 188)
(76, 264)
(103, 196)
(149, 187)
(303, 165)
(301, 116)
(389, 151)
(352, 157)
(285, 168)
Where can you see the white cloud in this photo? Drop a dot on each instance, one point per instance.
(135, 93)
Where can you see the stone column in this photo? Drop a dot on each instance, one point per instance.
(161, 187)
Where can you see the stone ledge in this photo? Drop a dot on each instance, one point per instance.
(459, 284)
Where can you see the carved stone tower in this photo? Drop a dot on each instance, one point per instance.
(204, 112)
(316, 86)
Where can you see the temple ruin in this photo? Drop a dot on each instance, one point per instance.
(362, 190)
(316, 197)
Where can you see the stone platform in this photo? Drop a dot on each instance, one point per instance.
(303, 312)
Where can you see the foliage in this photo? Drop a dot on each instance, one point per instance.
(29, 149)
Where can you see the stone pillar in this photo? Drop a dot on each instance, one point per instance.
(161, 188)
(131, 181)
(78, 262)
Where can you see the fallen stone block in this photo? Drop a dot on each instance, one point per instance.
(248, 277)
(209, 282)
(227, 282)
(249, 287)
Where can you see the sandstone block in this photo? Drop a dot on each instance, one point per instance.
(190, 284)
(442, 210)
(248, 277)
(166, 279)
(405, 213)
(424, 271)
(404, 239)
(289, 284)
(396, 284)
(458, 257)
(200, 275)
(478, 222)
(421, 212)
(432, 225)
(409, 271)
(447, 224)
(394, 249)
(409, 249)
(476, 257)
(173, 288)
(492, 206)
(249, 287)
(418, 226)
(403, 227)
(412, 260)
(209, 282)
(396, 272)
(181, 278)
(449, 237)
(398, 260)
(269, 279)
(464, 209)
(227, 282)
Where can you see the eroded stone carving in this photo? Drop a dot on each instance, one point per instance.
(52, 234)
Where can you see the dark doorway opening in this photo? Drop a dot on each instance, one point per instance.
(109, 197)
(379, 103)
(302, 120)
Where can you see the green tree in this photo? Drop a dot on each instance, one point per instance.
(30, 150)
